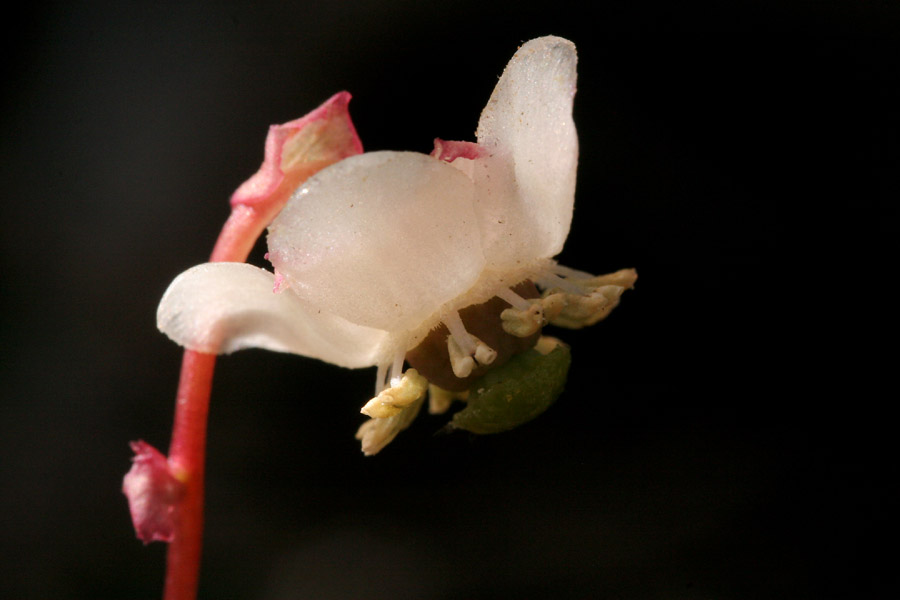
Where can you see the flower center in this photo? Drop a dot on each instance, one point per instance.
(432, 358)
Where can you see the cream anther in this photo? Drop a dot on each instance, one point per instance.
(464, 348)
(463, 339)
(582, 311)
(377, 433)
(522, 323)
(553, 304)
(546, 344)
(461, 363)
(410, 388)
(593, 298)
(439, 399)
(484, 354)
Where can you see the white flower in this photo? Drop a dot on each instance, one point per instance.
(375, 252)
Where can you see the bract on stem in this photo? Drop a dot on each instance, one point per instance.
(294, 151)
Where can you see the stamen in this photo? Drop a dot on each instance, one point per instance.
(461, 362)
(584, 310)
(409, 388)
(439, 399)
(522, 323)
(397, 368)
(462, 346)
(546, 344)
(377, 433)
(622, 277)
(587, 282)
(458, 331)
(381, 378)
(570, 272)
(484, 354)
(576, 299)
(515, 300)
(553, 304)
(551, 280)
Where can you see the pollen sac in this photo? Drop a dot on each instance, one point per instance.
(431, 358)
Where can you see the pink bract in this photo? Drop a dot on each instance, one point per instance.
(449, 151)
(324, 135)
(294, 151)
(153, 494)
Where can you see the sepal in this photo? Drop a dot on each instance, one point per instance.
(153, 493)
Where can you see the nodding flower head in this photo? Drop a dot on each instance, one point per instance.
(442, 261)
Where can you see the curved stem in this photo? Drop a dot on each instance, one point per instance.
(187, 452)
(187, 461)
(294, 151)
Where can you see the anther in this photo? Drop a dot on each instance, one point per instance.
(439, 399)
(409, 388)
(461, 362)
(484, 354)
(464, 348)
(582, 311)
(523, 322)
(546, 344)
(580, 299)
(553, 304)
(377, 433)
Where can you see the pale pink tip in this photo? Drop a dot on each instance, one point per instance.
(449, 151)
(153, 494)
(281, 283)
(325, 135)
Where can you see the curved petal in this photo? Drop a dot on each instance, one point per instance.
(527, 185)
(381, 239)
(222, 307)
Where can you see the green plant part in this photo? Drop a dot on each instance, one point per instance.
(523, 388)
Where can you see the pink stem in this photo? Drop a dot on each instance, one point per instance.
(327, 135)
(187, 452)
(187, 459)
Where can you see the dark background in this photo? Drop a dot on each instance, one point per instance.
(723, 434)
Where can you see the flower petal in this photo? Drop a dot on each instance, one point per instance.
(527, 128)
(381, 239)
(222, 307)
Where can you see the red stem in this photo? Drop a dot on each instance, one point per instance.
(250, 215)
(187, 461)
(187, 452)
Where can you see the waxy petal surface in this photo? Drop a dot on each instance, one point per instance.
(218, 308)
(527, 185)
(381, 239)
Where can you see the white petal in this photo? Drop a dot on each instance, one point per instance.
(527, 127)
(223, 307)
(381, 239)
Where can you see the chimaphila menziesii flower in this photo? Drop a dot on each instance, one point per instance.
(389, 258)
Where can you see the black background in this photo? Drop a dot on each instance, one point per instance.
(723, 434)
